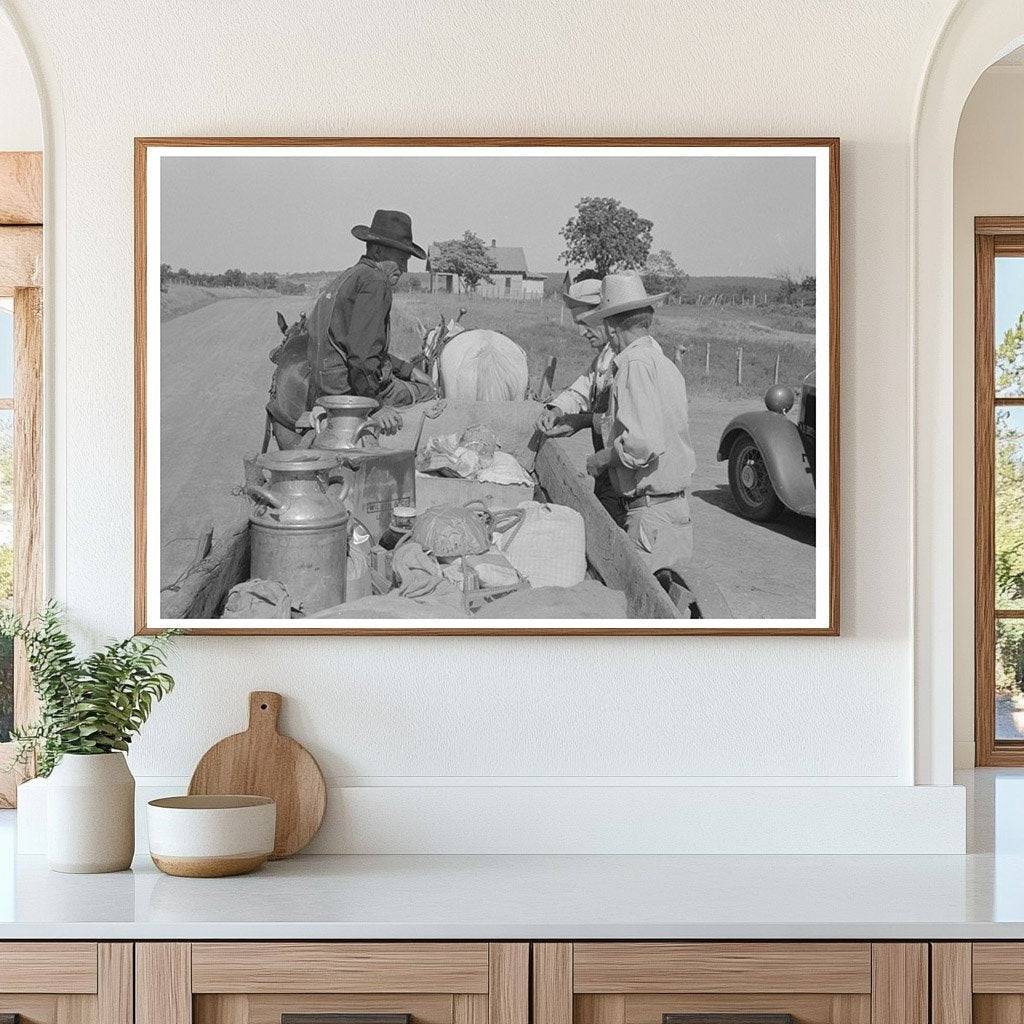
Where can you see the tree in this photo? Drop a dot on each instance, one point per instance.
(788, 287)
(1010, 361)
(607, 234)
(661, 274)
(466, 256)
(1009, 471)
(1009, 510)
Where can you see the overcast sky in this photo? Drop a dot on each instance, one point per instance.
(717, 215)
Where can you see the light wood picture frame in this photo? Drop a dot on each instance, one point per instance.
(189, 589)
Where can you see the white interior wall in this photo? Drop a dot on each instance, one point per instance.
(430, 717)
(987, 182)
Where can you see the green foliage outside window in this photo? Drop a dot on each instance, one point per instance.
(1009, 509)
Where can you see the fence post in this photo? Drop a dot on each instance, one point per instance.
(778, 359)
(707, 359)
(739, 365)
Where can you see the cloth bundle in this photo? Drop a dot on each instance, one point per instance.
(471, 455)
(550, 547)
(258, 599)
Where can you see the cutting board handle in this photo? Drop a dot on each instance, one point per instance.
(264, 710)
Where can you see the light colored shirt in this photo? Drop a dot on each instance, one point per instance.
(589, 389)
(648, 423)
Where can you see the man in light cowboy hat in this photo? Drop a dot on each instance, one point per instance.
(350, 326)
(647, 454)
(583, 402)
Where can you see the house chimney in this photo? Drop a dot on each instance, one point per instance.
(494, 244)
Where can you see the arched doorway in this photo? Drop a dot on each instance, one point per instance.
(976, 34)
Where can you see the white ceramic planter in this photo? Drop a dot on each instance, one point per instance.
(90, 814)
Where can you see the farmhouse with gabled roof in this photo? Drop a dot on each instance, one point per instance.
(511, 279)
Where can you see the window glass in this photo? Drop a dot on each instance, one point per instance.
(1009, 511)
(1009, 327)
(6, 349)
(6, 567)
(1009, 679)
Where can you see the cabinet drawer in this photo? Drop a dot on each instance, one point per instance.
(263, 982)
(734, 982)
(66, 982)
(340, 967)
(48, 967)
(630, 967)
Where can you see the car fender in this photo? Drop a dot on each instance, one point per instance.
(782, 449)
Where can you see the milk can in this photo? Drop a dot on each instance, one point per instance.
(378, 478)
(300, 528)
(343, 421)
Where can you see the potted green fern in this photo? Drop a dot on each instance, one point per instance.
(89, 710)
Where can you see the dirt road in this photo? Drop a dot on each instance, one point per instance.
(215, 372)
(215, 375)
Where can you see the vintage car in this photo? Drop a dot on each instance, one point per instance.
(771, 457)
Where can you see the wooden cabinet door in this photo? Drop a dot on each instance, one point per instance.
(977, 983)
(313, 982)
(730, 982)
(66, 982)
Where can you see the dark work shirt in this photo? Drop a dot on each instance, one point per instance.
(350, 335)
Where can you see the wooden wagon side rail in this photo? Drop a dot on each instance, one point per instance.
(609, 550)
(201, 591)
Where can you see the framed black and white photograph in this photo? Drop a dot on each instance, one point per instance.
(487, 386)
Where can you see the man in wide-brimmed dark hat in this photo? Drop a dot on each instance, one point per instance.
(350, 326)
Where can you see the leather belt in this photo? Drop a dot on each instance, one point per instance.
(646, 500)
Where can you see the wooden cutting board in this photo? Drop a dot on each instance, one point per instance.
(262, 762)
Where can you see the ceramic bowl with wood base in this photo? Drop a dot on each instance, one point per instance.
(211, 836)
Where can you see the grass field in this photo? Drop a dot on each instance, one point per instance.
(536, 327)
(764, 332)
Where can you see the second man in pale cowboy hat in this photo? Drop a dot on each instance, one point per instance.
(647, 451)
(585, 400)
(350, 326)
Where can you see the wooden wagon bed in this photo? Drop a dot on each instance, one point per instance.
(557, 464)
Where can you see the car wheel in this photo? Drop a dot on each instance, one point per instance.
(750, 483)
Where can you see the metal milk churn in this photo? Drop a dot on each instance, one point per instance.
(378, 478)
(343, 421)
(300, 528)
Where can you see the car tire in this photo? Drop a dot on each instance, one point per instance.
(750, 483)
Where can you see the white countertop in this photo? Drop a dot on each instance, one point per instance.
(978, 896)
(532, 897)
